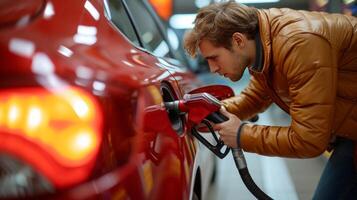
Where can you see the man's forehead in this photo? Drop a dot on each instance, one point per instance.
(205, 43)
(206, 47)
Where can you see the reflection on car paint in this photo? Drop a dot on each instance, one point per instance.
(65, 51)
(92, 10)
(22, 47)
(49, 11)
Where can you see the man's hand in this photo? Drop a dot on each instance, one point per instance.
(228, 129)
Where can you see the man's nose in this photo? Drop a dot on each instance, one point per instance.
(213, 68)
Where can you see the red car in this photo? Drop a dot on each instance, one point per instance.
(82, 84)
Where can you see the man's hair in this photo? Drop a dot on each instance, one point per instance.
(217, 23)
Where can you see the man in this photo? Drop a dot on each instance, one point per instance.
(306, 63)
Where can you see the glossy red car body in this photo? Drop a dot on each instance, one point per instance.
(81, 105)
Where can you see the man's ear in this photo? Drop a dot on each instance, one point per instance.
(239, 39)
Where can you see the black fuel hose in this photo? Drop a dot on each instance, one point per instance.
(241, 165)
(240, 162)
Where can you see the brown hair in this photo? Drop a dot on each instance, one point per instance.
(217, 23)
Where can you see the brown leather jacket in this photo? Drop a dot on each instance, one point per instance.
(310, 71)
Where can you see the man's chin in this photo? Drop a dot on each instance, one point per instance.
(234, 79)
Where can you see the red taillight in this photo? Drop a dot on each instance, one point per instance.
(64, 124)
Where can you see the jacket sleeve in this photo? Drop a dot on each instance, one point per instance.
(310, 67)
(251, 101)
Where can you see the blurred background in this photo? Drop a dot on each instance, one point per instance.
(280, 178)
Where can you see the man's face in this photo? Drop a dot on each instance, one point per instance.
(228, 63)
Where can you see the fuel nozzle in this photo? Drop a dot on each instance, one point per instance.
(177, 106)
(197, 106)
(201, 108)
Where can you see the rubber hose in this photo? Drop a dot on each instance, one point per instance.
(250, 184)
(246, 178)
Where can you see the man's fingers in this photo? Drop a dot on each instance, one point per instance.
(224, 111)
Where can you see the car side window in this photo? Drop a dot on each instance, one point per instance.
(148, 31)
(122, 21)
(177, 48)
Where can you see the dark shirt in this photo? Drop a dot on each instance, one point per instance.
(259, 58)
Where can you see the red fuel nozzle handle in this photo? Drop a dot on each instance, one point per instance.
(196, 106)
(200, 108)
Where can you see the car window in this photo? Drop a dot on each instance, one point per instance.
(148, 31)
(122, 21)
(177, 48)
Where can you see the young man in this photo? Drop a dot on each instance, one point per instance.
(306, 63)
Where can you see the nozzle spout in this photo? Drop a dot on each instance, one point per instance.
(172, 105)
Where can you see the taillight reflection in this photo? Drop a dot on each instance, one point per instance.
(64, 123)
